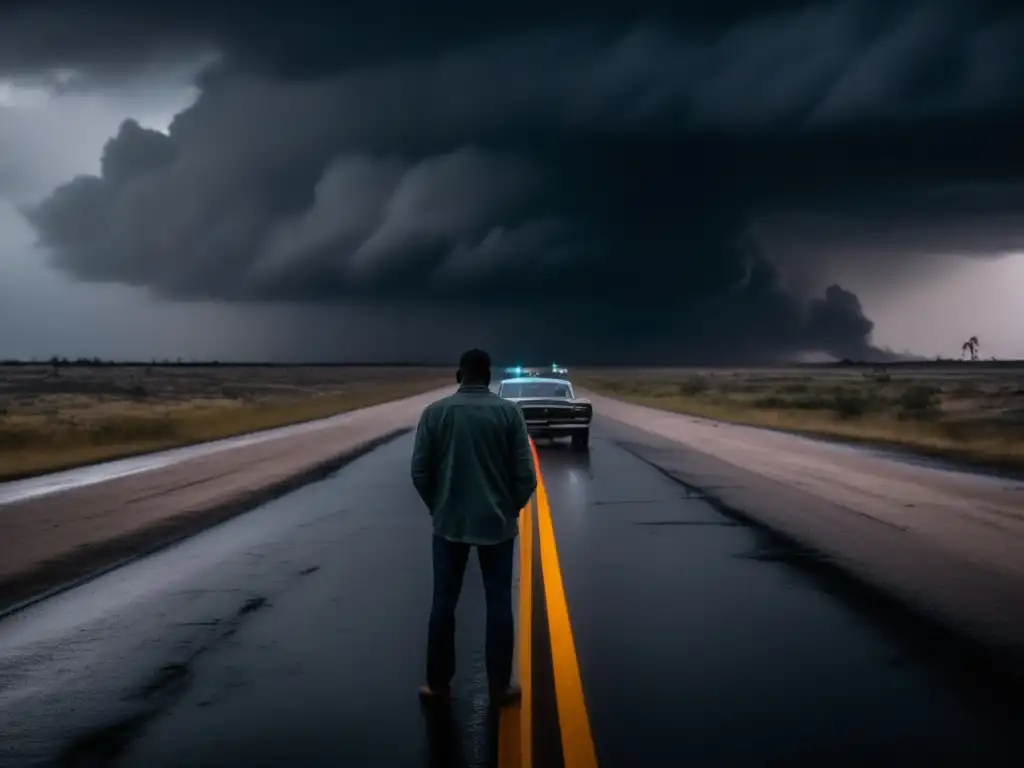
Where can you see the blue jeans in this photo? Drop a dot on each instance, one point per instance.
(496, 561)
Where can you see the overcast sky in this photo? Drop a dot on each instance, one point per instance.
(688, 182)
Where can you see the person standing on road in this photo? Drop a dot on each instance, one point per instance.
(473, 468)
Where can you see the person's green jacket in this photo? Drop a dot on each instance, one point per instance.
(472, 465)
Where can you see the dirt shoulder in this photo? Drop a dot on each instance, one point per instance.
(53, 540)
(971, 413)
(947, 544)
(64, 416)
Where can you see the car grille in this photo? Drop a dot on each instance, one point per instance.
(541, 415)
(547, 411)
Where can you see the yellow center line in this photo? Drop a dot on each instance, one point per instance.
(515, 736)
(525, 636)
(577, 742)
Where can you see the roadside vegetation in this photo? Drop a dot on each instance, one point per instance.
(969, 412)
(57, 416)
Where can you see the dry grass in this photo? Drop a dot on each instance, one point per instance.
(59, 418)
(969, 412)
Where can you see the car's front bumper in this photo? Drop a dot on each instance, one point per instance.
(556, 429)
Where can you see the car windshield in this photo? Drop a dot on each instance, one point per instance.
(534, 389)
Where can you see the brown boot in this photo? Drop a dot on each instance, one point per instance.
(428, 693)
(508, 695)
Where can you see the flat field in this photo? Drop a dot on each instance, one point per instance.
(971, 411)
(56, 417)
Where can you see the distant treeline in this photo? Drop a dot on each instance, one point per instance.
(95, 362)
(919, 363)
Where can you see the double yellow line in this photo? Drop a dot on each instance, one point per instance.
(516, 734)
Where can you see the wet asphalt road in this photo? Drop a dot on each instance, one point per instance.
(293, 635)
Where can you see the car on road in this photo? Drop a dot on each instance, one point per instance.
(559, 372)
(550, 407)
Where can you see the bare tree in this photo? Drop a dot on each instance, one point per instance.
(971, 345)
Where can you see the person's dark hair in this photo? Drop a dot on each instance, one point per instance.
(475, 367)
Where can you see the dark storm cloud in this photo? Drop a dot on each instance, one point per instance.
(623, 175)
(309, 37)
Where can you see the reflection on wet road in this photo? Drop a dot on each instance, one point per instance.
(293, 635)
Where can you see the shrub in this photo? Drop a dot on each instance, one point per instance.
(919, 402)
(811, 403)
(694, 385)
(967, 389)
(848, 404)
(13, 439)
(878, 375)
(919, 397)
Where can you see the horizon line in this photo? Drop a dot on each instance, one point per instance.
(197, 363)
